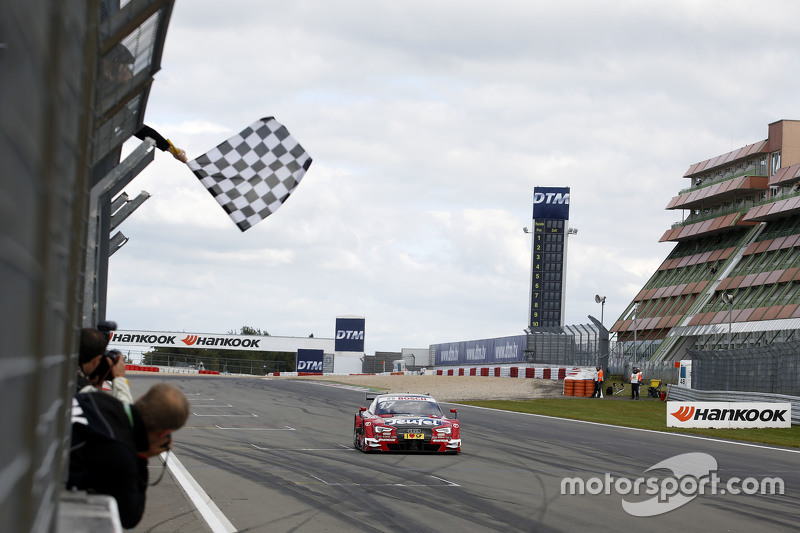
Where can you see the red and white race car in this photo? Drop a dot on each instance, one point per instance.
(405, 422)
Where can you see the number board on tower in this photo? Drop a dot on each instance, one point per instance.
(548, 270)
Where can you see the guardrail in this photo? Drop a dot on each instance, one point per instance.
(683, 394)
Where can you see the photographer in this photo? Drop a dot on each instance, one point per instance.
(96, 365)
(112, 442)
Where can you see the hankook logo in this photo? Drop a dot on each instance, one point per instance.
(729, 414)
(684, 413)
(192, 340)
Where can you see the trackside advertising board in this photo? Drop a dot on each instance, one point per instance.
(729, 415)
(349, 334)
(123, 340)
(309, 360)
(482, 352)
(551, 203)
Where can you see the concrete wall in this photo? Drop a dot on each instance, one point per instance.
(46, 74)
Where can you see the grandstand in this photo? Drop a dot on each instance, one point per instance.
(732, 280)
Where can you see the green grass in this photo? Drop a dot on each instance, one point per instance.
(647, 413)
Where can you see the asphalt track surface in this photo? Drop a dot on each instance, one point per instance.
(277, 456)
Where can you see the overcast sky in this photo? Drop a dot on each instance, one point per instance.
(430, 123)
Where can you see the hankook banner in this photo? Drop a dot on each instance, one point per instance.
(729, 415)
(127, 339)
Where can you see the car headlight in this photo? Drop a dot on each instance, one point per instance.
(443, 431)
(383, 430)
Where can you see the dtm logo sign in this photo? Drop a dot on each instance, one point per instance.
(309, 366)
(729, 414)
(349, 335)
(551, 198)
(309, 360)
(357, 335)
(551, 203)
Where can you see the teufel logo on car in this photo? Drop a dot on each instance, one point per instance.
(412, 422)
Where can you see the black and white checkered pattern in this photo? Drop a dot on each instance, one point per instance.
(253, 173)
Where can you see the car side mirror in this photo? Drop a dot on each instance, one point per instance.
(455, 412)
(362, 409)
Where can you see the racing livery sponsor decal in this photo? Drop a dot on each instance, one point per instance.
(412, 398)
(732, 415)
(412, 422)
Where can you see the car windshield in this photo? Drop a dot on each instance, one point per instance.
(397, 406)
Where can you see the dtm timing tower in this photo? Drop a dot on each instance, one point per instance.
(548, 257)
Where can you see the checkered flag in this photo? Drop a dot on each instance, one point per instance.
(253, 173)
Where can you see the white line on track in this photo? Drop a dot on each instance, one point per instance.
(734, 442)
(251, 415)
(217, 521)
(284, 428)
(409, 485)
(257, 447)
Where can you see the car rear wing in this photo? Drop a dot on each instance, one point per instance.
(371, 395)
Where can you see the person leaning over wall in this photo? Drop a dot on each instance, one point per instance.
(112, 442)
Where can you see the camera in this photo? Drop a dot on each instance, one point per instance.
(106, 327)
(104, 369)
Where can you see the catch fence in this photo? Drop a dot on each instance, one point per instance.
(225, 365)
(773, 368)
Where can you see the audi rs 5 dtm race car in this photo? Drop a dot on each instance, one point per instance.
(405, 422)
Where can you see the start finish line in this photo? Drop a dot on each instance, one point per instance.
(258, 343)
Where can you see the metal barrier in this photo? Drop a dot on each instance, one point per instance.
(683, 394)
